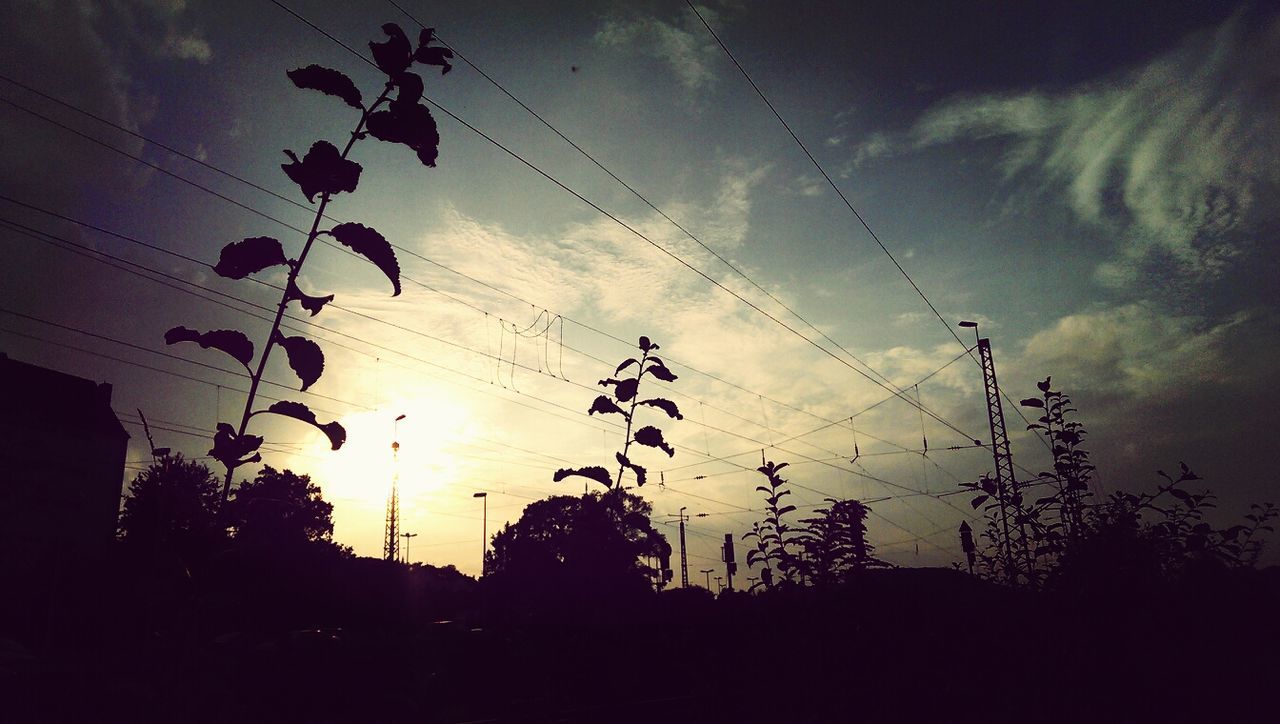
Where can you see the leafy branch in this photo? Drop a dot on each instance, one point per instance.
(322, 171)
(626, 391)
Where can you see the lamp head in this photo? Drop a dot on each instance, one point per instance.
(973, 325)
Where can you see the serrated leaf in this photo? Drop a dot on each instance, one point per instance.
(230, 341)
(604, 405)
(239, 259)
(638, 470)
(298, 411)
(666, 406)
(371, 245)
(305, 358)
(394, 54)
(308, 302)
(411, 124)
(327, 81)
(625, 364)
(661, 372)
(322, 171)
(652, 437)
(594, 472)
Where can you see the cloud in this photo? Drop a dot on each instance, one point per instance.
(1136, 351)
(1170, 157)
(685, 46)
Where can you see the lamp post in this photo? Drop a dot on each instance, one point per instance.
(707, 572)
(484, 528)
(404, 554)
(719, 585)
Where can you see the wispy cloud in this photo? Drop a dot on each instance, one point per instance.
(683, 44)
(1169, 156)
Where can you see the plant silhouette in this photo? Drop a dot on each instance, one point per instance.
(834, 543)
(172, 506)
(627, 391)
(323, 171)
(772, 535)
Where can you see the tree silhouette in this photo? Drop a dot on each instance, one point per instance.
(172, 505)
(834, 543)
(597, 540)
(280, 508)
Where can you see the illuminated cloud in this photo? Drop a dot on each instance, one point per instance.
(683, 45)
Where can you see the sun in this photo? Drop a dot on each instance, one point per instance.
(360, 473)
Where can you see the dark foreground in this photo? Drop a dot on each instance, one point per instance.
(378, 642)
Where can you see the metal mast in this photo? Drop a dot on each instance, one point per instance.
(391, 542)
(1012, 525)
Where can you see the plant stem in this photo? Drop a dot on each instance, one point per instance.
(294, 270)
(631, 415)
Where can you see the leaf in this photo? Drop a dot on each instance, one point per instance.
(409, 88)
(979, 501)
(372, 246)
(1031, 402)
(594, 472)
(625, 462)
(239, 259)
(652, 437)
(231, 341)
(666, 406)
(624, 390)
(646, 345)
(625, 364)
(327, 81)
(305, 357)
(432, 56)
(298, 411)
(392, 55)
(322, 171)
(308, 302)
(660, 371)
(785, 509)
(604, 405)
(230, 449)
(1044, 386)
(409, 123)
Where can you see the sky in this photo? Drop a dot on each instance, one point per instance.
(1095, 184)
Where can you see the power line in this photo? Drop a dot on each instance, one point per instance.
(635, 232)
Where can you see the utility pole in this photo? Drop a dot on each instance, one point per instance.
(404, 557)
(484, 528)
(966, 543)
(1011, 521)
(707, 572)
(684, 560)
(391, 541)
(730, 565)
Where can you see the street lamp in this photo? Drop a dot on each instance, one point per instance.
(719, 585)
(484, 528)
(707, 572)
(404, 554)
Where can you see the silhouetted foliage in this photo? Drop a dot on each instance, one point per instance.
(627, 390)
(593, 541)
(172, 506)
(323, 171)
(834, 544)
(772, 535)
(280, 508)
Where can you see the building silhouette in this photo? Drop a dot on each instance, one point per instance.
(62, 453)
